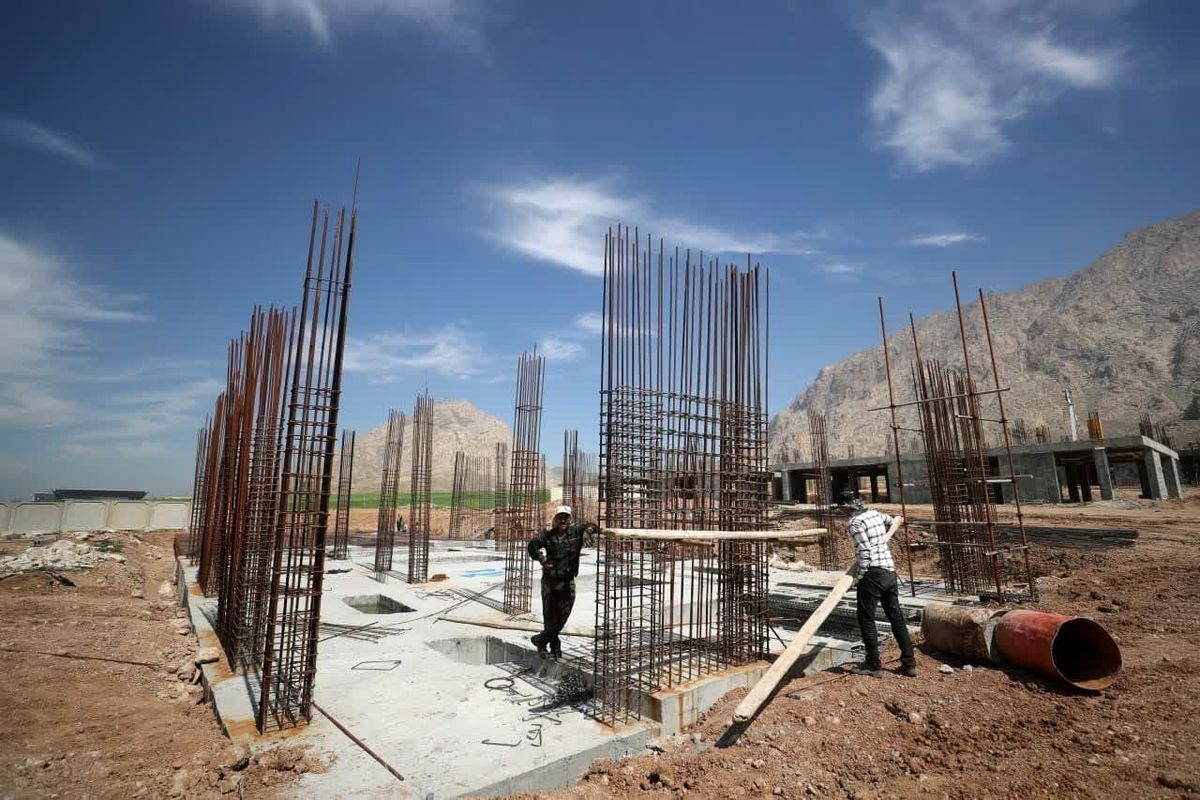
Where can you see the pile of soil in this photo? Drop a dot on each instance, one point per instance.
(99, 695)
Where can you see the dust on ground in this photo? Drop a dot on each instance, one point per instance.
(99, 696)
(986, 732)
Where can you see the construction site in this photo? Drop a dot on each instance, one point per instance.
(267, 638)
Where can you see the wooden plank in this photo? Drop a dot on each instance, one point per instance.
(761, 693)
(701, 536)
(516, 625)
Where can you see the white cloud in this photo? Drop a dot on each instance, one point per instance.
(562, 220)
(27, 404)
(450, 350)
(944, 239)
(555, 349)
(591, 322)
(840, 268)
(959, 75)
(137, 418)
(45, 310)
(457, 22)
(39, 137)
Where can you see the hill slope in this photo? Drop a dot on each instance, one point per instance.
(1123, 333)
(457, 425)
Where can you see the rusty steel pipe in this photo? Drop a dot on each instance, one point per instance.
(963, 631)
(1073, 649)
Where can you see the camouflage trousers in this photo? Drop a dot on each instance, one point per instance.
(558, 598)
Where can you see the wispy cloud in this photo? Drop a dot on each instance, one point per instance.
(45, 310)
(944, 239)
(38, 137)
(959, 75)
(591, 322)
(840, 269)
(562, 220)
(558, 349)
(142, 417)
(458, 23)
(30, 404)
(387, 356)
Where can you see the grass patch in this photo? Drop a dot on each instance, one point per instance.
(484, 500)
(110, 547)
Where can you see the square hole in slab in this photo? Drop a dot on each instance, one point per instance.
(376, 604)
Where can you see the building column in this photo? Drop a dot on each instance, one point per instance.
(1174, 485)
(874, 488)
(1072, 482)
(1156, 483)
(1103, 474)
(785, 485)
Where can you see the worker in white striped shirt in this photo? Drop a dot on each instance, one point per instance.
(877, 585)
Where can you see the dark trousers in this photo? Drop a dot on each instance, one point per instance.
(558, 598)
(877, 586)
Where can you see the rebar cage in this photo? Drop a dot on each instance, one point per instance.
(682, 448)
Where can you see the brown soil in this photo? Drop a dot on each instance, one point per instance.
(90, 702)
(989, 732)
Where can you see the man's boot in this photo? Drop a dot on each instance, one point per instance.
(539, 644)
(874, 670)
(908, 669)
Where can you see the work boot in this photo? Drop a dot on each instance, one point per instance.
(556, 652)
(908, 670)
(874, 670)
(539, 644)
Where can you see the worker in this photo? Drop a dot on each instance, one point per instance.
(557, 550)
(877, 584)
(400, 528)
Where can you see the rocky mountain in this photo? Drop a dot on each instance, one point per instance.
(457, 425)
(1122, 333)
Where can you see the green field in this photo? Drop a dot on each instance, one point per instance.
(438, 499)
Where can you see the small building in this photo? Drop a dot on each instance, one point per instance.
(97, 494)
(1047, 472)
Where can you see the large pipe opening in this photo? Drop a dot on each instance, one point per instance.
(1085, 655)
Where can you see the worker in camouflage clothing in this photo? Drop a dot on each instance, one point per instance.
(557, 550)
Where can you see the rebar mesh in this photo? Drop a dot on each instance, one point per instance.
(289, 661)
(682, 448)
(389, 491)
(822, 495)
(420, 497)
(341, 522)
(523, 515)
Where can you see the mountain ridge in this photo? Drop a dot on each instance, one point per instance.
(1123, 333)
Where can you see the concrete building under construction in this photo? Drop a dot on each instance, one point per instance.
(1048, 472)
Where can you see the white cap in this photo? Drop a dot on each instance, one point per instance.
(562, 510)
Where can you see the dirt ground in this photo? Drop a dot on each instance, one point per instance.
(987, 732)
(121, 722)
(95, 699)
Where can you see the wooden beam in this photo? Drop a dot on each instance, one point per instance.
(516, 625)
(762, 691)
(711, 536)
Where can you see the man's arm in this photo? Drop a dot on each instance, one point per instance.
(862, 545)
(535, 544)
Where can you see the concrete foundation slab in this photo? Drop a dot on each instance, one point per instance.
(463, 709)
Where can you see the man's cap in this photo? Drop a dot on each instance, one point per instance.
(562, 510)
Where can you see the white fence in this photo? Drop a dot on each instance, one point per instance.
(60, 516)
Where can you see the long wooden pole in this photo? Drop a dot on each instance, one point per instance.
(761, 693)
(711, 536)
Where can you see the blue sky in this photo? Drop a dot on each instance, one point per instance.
(160, 158)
